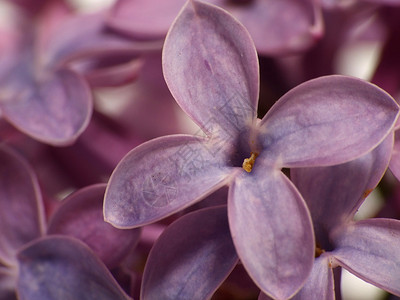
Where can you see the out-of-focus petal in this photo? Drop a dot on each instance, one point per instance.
(8, 278)
(61, 267)
(145, 19)
(81, 216)
(278, 27)
(191, 258)
(334, 194)
(163, 176)
(55, 110)
(211, 68)
(326, 121)
(319, 285)
(21, 207)
(370, 250)
(272, 231)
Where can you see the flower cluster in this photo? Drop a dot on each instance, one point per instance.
(197, 149)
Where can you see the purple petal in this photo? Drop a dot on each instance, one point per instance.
(211, 68)
(270, 23)
(326, 121)
(161, 177)
(66, 36)
(81, 216)
(60, 267)
(319, 285)
(272, 231)
(54, 111)
(21, 207)
(334, 194)
(191, 258)
(144, 18)
(395, 160)
(370, 250)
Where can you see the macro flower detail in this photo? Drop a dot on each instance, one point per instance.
(211, 68)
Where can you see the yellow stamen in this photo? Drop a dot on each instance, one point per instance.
(248, 163)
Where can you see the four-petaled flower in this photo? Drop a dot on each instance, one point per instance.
(210, 65)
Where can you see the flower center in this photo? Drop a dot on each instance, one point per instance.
(318, 250)
(248, 163)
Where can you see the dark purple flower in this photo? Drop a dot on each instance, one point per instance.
(211, 68)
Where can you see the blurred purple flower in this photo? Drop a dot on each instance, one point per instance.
(270, 23)
(210, 65)
(367, 248)
(48, 58)
(22, 221)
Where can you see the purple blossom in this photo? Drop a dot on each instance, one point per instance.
(211, 68)
(48, 58)
(28, 254)
(366, 248)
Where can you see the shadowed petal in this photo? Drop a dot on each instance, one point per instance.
(319, 285)
(161, 177)
(334, 194)
(81, 216)
(328, 120)
(21, 206)
(55, 111)
(191, 258)
(60, 267)
(144, 18)
(272, 231)
(370, 250)
(211, 68)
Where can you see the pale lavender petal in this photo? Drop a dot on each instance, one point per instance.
(211, 68)
(326, 121)
(60, 267)
(270, 23)
(370, 250)
(191, 258)
(272, 231)
(319, 285)
(55, 110)
(334, 194)
(163, 176)
(147, 19)
(21, 207)
(81, 216)
(395, 160)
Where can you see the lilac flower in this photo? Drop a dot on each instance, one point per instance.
(367, 248)
(270, 23)
(210, 66)
(23, 226)
(40, 93)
